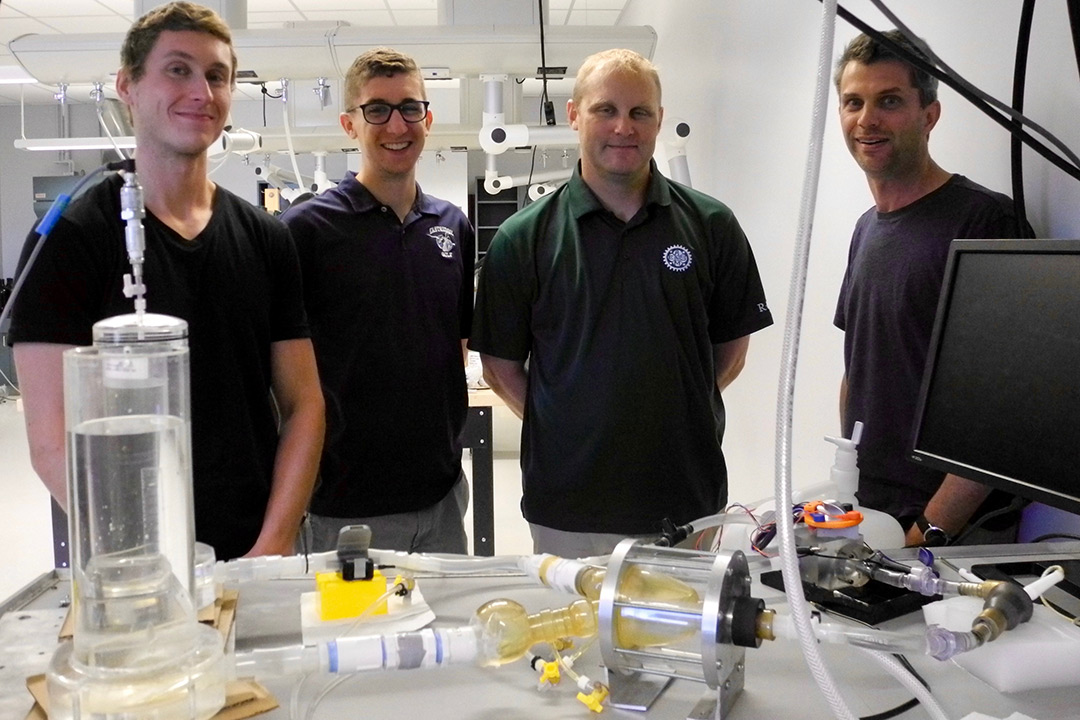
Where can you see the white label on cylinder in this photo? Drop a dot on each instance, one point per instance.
(126, 368)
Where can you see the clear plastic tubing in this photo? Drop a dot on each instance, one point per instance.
(841, 634)
(275, 567)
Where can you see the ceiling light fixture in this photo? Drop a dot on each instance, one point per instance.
(15, 75)
(75, 143)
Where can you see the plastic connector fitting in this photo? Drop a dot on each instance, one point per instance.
(550, 674)
(942, 644)
(594, 700)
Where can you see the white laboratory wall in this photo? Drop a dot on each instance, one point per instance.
(742, 73)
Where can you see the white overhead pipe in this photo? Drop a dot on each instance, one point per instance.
(503, 182)
(497, 139)
(675, 135)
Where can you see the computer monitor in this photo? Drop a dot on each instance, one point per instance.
(1000, 398)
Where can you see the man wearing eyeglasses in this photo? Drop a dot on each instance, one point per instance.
(388, 285)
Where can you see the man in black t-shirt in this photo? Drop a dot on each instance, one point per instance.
(890, 291)
(224, 266)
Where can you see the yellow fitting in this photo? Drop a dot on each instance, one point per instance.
(338, 598)
(764, 624)
(594, 700)
(550, 674)
(406, 581)
(545, 566)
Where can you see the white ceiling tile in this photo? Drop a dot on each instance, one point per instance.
(416, 17)
(359, 18)
(259, 6)
(273, 19)
(560, 4)
(316, 6)
(12, 27)
(58, 8)
(94, 24)
(593, 17)
(6, 12)
(558, 17)
(121, 7)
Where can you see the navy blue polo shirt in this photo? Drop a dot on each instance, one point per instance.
(623, 420)
(388, 303)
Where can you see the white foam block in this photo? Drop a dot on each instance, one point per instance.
(1042, 653)
(403, 615)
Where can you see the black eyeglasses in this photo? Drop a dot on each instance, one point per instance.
(378, 113)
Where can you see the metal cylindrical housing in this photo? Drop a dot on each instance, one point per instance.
(669, 611)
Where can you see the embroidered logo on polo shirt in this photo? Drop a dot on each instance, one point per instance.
(444, 238)
(678, 258)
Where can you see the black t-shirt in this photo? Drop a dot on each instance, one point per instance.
(886, 309)
(237, 285)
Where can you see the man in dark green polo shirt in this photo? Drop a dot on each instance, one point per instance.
(632, 298)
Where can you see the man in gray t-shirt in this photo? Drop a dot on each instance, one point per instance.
(889, 296)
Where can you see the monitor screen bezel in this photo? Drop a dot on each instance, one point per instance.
(957, 250)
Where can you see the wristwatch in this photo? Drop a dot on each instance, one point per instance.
(932, 535)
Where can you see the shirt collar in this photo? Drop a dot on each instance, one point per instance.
(584, 201)
(363, 201)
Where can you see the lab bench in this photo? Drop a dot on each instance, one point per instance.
(777, 682)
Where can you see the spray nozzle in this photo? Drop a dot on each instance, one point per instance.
(845, 443)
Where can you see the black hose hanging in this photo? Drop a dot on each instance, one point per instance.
(1074, 26)
(1023, 42)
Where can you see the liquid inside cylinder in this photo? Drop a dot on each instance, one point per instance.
(652, 608)
(126, 471)
(664, 609)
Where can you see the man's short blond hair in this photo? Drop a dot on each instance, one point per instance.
(380, 62)
(614, 60)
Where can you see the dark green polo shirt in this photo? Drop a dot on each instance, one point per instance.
(623, 420)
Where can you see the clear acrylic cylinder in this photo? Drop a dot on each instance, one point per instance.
(138, 651)
(127, 411)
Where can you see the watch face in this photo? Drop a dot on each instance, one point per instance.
(935, 537)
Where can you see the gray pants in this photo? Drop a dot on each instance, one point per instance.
(577, 544)
(439, 528)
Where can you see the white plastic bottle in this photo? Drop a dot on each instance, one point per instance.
(880, 530)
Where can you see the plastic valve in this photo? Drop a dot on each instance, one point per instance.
(549, 674)
(594, 700)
